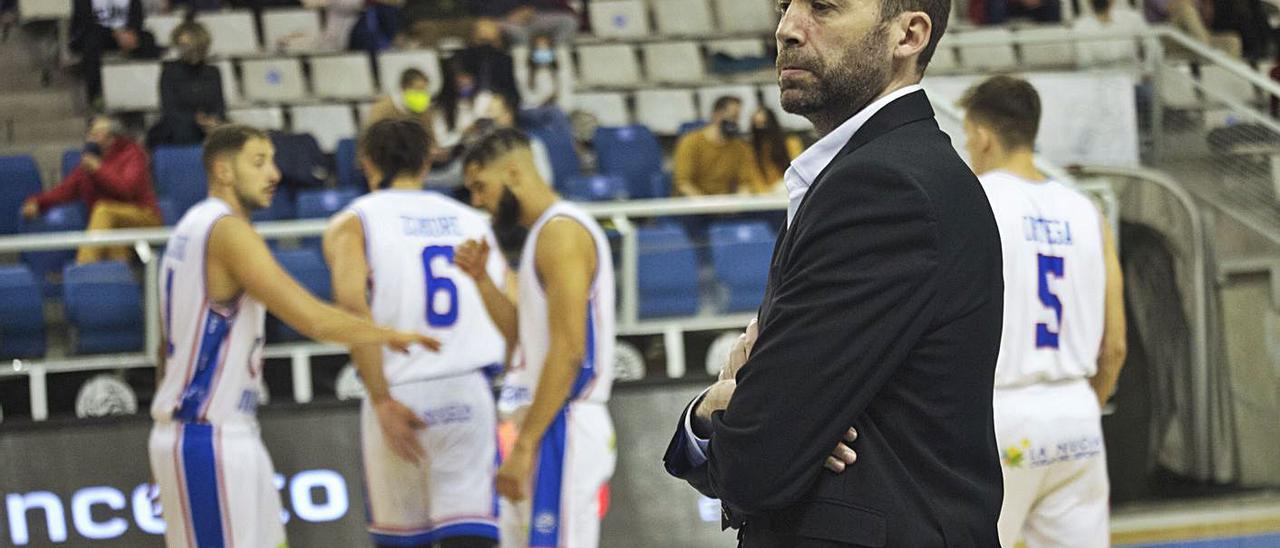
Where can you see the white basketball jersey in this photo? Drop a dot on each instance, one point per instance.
(595, 379)
(213, 364)
(410, 237)
(1054, 280)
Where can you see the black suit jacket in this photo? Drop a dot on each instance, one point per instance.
(883, 312)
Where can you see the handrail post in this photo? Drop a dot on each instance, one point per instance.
(301, 362)
(39, 392)
(629, 302)
(150, 296)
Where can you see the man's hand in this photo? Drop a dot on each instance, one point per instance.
(400, 427)
(30, 209)
(405, 339)
(473, 257)
(513, 476)
(716, 399)
(127, 39)
(843, 455)
(90, 162)
(741, 351)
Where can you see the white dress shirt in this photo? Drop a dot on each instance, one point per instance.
(802, 173)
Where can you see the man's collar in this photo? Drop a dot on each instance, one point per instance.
(810, 164)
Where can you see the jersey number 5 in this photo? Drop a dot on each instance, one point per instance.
(1050, 266)
(436, 284)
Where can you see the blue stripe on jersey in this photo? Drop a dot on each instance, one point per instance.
(544, 531)
(588, 371)
(200, 470)
(197, 392)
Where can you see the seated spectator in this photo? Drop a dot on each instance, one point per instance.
(544, 80)
(1246, 20)
(113, 180)
(1189, 16)
(1109, 18)
(107, 25)
(502, 115)
(714, 159)
(486, 59)
(522, 20)
(413, 101)
(433, 23)
(458, 105)
(191, 102)
(772, 151)
(996, 12)
(377, 27)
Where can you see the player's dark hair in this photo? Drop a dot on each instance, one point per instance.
(1009, 106)
(397, 147)
(411, 75)
(228, 139)
(493, 144)
(724, 102)
(937, 10)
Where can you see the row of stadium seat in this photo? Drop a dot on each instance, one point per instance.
(103, 301)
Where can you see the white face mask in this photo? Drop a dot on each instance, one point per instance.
(543, 56)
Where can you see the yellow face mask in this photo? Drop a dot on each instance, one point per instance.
(417, 101)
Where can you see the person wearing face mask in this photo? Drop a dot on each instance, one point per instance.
(107, 25)
(544, 81)
(715, 160)
(772, 151)
(191, 101)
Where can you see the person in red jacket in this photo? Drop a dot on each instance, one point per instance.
(113, 180)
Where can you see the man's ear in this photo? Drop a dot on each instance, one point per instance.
(913, 29)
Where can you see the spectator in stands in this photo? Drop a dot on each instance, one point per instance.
(1107, 17)
(191, 101)
(433, 22)
(377, 27)
(487, 60)
(772, 151)
(522, 20)
(502, 114)
(714, 159)
(1189, 16)
(1246, 20)
(458, 105)
(544, 80)
(996, 12)
(107, 25)
(113, 180)
(413, 101)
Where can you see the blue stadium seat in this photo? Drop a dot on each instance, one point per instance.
(668, 272)
(104, 304)
(282, 207)
(630, 152)
(319, 204)
(169, 211)
(552, 127)
(22, 316)
(690, 126)
(179, 176)
(595, 188)
(740, 253)
(349, 173)
(308, 267)
(45, 263)
(70, 160)
(19, 180)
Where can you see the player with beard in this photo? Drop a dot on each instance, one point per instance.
(561, 376)
(882, 311)
(218, 280)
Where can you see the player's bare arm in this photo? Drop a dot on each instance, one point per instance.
(566, 262)
(240, 261)
(349, 272)
(473, 257)
(1111, 357)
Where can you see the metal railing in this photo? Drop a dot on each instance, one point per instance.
(145, 241)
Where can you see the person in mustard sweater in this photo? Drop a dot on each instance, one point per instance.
(715, 160)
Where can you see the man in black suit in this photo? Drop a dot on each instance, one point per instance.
(883, 311)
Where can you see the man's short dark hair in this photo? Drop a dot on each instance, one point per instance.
(724, 102)
(228, 139)
(397, 147)
(493, 144)
(411, 75)
(1009, 106)
(937, 10)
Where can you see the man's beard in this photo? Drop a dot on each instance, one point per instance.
(842, 89)
(506, 223)
(251, 203)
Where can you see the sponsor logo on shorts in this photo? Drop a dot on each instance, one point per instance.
(451, 414)
(1032, 455)
(544, 523)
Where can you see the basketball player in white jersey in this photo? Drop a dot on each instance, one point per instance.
(1063, 337)
(218, 280)
(428, 424)
(562, 371)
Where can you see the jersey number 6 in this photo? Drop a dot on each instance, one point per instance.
(439, 283)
